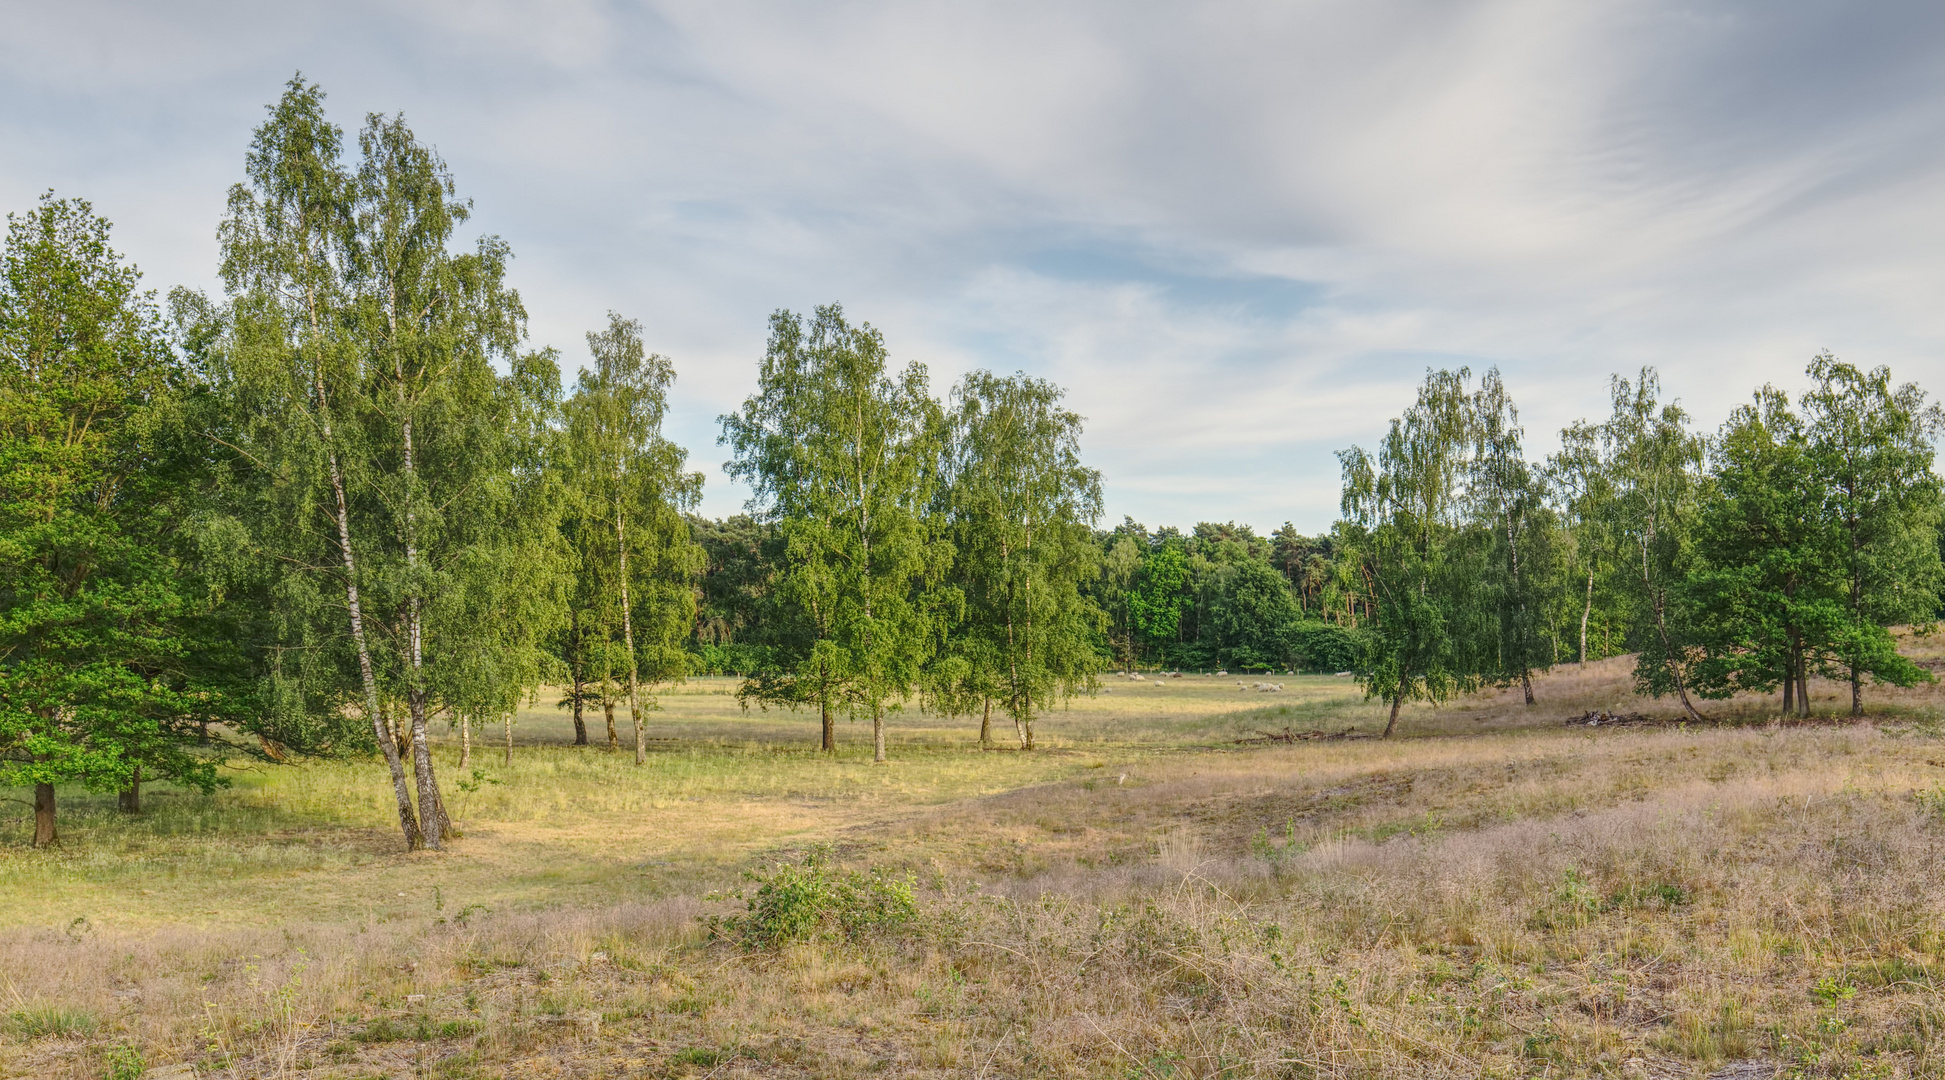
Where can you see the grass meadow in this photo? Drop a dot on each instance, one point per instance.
(1161, 891)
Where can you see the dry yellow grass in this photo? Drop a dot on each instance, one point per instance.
(1504, 896)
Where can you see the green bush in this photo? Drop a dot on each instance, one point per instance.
(1325, 647)
(815, 901)
(122, 1063)
(37, 1020)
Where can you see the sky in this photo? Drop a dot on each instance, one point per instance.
(1236, 233)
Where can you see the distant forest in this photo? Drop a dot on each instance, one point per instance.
(347, 501)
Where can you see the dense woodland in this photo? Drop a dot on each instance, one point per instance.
(347, 504)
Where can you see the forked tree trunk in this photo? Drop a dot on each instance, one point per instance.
(580, 685)
(1020, 732)
(1586, 611)
(1396, 701)
(432, 809)
(44, 833)
(131, 796)
(408, 819)
(1789, 683)
(628, 633)
(382, 730)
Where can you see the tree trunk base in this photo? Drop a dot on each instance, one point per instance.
(44, 834)
(130, 798)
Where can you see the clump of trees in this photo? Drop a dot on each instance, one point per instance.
(348, 501)
(1785, 546)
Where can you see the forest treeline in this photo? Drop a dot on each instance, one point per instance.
(346, 504)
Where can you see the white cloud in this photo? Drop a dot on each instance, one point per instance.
(1236, 232)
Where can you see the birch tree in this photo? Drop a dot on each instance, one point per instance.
(1021, 508)
(1405, 506)
(293, 370)
(382, 398)
(1508, 499)
(630, 480)
(842, 455)
(1652, 464)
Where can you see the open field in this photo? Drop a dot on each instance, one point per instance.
(1494, 894)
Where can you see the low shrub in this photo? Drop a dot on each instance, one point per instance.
(38, 1020)
(815, 901)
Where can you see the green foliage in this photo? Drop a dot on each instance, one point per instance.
(815, 901)
(1407, 506)
(107, 632)
(634, 601)
(122, 1063)
(842, 459)
(1160, 594)
(1324, 647)
(42, 1020)
(1019, 507)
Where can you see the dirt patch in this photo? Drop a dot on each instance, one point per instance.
(1262, 738)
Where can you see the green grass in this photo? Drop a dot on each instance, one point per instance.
(568, 824)
(1143, 896)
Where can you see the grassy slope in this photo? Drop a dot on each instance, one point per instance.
(1151, 899)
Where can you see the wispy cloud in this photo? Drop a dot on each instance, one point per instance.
(1238, 232)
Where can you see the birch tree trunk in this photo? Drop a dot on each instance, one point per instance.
(1585, 612)
(432, 808)
(628, 633)
(577, 668)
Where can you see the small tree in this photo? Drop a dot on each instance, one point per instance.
(97, 679)
(1405, 509)
(1021, 508)
(1652, 463)
(841, 456)
(1870, 449)
(1509, 500)
(631, 480)
(1756, 589)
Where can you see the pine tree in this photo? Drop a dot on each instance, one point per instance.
(99, 683)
